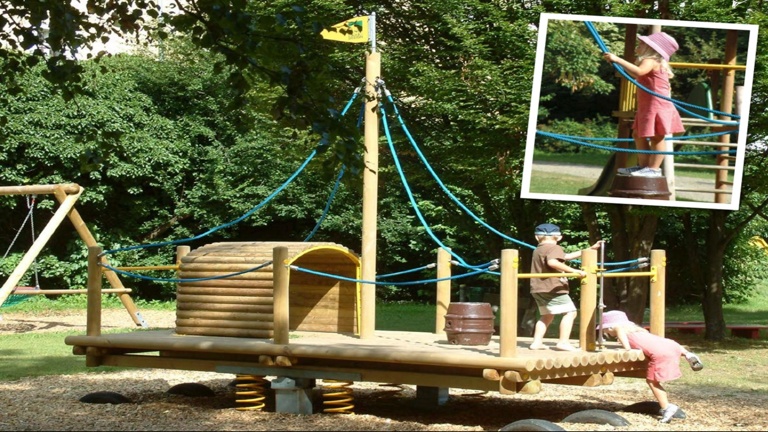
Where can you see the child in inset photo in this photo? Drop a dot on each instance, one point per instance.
(655, 117)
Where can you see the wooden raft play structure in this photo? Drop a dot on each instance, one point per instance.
(278, 322)
(281, 323)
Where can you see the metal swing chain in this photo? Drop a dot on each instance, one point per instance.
(23, 224)
(30, 217)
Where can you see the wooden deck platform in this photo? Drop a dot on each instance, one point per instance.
(416, 358)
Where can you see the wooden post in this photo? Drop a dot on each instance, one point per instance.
(443, 289)
(85, 234)
(37, 246)
(726, 106)
(181, 252)
(370, 196)
(93, 310)
(280, 281)
(508, 303)
(588, 304)
(657, 291)
(627, 96)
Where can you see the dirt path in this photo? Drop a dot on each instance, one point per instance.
(592, 172)
(53, 402)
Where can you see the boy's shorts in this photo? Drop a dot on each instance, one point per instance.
(553, 304)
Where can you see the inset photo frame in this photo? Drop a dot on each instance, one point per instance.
(639, 111)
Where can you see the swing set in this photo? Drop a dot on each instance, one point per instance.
(67, 195)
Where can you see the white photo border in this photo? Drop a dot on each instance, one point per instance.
(744, 116)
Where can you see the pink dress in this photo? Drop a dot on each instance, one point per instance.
(656, 116)
(663, 355)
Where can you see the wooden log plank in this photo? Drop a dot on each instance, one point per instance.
(240, 333)
(491, 374)
(68, 188)
(255, 275)
(221, 323)
(231, 307)
(229, 283)
(224, 315)
(220, 291)
(592, 380)
(226, 267)
(181, 298)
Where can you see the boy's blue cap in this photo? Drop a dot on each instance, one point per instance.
(547, 229)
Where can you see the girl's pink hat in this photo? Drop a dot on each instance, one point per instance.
(662, 43)
(613, 318)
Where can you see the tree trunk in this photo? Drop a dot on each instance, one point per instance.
(633, 234)
(526, 214)
(713, 291)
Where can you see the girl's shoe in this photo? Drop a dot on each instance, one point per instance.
(628, 171)
(668, 413)
(646, 172)
(694, 361)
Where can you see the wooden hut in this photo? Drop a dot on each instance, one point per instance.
(228, 289)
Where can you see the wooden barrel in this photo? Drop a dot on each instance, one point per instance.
(640, 187)
(469, 323)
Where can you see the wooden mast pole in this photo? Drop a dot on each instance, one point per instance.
(370, 186)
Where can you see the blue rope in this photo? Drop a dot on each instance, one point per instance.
(678, 104)
(408, 191)
(241, 218)
(638, 260)
(676, 138)
(628, 150)
(176, 280)
(220, 227)
(327, 205)
(641, 265)
(413, 270)
(328, 275)
(441, 184)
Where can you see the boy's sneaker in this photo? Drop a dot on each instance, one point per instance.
(668, 413)
(629, 170)
(694, 361)
(646, 172)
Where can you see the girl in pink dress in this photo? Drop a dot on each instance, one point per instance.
(663, 356)
(655, 117)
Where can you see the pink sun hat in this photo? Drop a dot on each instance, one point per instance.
(613, 318)
(662, 43)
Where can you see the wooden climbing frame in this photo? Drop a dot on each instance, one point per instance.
(66, 195)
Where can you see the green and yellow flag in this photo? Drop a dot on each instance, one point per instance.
(353, 30)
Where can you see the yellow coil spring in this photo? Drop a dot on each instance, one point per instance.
(249, 389)
(340, 397)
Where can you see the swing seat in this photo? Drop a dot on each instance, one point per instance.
(14, 299)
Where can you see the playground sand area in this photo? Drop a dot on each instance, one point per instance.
(52, 402)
